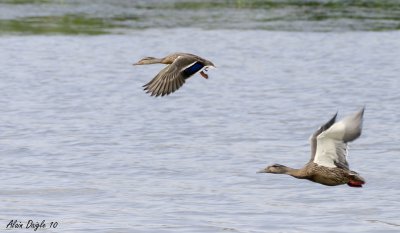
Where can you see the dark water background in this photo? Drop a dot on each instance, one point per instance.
(102, 16)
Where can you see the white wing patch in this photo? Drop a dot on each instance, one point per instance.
(336, 131)
(184, 68)
(330, 146)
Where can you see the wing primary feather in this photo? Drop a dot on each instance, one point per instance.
(155, 87)
(170, 84)
(177, 85)
(161, 90)
(166, 89)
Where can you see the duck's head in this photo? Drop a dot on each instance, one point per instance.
(276, 169)
(147, 60)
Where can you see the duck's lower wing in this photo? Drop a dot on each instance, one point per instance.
(165, 83)
(173, 76)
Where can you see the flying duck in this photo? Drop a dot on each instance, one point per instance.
(328, 164)
(180, 66)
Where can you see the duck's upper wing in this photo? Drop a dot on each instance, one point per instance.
(331, 146)
(173, 76)
(313, 137)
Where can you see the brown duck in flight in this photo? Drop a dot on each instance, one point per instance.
(180, 66)
(328, 164)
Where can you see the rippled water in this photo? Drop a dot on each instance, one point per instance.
(83, 145)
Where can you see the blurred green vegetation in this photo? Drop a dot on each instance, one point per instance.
(24, 1)
(267, 4)
(65, 24)
(76, 17)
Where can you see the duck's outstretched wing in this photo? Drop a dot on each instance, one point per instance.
(331, 148)
(313, 137)
(173, 76)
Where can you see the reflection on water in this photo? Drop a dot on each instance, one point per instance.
(83, 145)
(100, 17)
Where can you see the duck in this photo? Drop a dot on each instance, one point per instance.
(180, 66)
(329, 149)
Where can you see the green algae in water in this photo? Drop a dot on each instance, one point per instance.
(25, 1)
(66, 24)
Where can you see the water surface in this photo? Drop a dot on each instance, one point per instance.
(83, 145)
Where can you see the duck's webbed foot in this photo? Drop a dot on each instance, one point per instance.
(204, 74)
